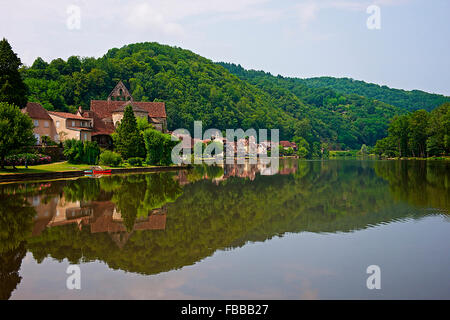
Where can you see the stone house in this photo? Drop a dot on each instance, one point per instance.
(71, 126)
(107, 114)
(43, 123)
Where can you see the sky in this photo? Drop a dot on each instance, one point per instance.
(297, 38)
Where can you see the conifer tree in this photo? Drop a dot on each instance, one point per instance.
(12, 88)
(128, 141)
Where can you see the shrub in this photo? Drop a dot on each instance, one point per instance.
(136, 162)
(78, 151)
(110, 158)
(159, 147)
(47, 141)
(29, 158)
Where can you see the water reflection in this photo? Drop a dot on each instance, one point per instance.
(151, 223)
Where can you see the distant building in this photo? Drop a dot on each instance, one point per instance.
(287, 145)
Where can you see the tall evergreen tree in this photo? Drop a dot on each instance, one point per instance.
(128, 141)
(12, 88)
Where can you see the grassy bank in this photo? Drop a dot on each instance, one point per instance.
(58, 167)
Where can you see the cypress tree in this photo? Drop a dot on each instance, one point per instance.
(128, 141)
(12, 88)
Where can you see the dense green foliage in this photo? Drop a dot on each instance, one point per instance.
(128, 140)
(159, 147)
(16, 131)
(136, 161)
(78, 151)
(110, 158)
(323, 115)
(12, 88)
(418, 134)
(408, 100)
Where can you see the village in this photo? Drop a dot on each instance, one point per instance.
(104, 116)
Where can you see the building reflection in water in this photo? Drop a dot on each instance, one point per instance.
(99, 216)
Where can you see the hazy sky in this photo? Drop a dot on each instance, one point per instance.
(301, 38)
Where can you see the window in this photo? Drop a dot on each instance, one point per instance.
(85, 137)
(73, 123)
(36, 135)
(36, 123)
(46, 124)
(57, 123)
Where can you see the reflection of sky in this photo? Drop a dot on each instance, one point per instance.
(412, 254)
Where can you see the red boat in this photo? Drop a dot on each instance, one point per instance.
(101, 171)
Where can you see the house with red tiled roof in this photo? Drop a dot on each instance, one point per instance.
(107, 114)
(43, 123)
(287, 145)
(71, 126)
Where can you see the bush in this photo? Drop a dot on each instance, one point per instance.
(29, 158)
(110, 158)
(78, 151)
(136, 162)
(47, 141)
(159, 147)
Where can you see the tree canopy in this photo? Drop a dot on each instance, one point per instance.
(16, 131)
(12, 88)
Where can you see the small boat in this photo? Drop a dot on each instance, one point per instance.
(87, 171)
(101, 171)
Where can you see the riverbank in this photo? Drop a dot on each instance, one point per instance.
(66, 170)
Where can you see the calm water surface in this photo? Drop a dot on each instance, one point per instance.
(308, 232)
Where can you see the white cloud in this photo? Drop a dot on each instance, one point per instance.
(308, 10)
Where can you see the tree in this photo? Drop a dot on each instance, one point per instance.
(16, 131)
(128, 141)
(12, 88)
(159, 147)
(399, 130)
(418, 124)
(439, 131)
(364, 150)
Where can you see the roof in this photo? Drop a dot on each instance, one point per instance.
(287, 144)
(67, 115)
(36, 111)
(104, 108)
(133, 106)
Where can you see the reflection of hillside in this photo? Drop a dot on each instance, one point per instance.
(421, 183)
(211, 215)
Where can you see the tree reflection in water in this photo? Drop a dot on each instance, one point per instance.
(151, 223)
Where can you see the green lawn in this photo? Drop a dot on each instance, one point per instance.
(52, 167)
(58, 167)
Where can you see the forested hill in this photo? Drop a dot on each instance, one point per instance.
(409, 100)
(347, 120)
(195, 88)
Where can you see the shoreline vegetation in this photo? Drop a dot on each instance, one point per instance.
(68, 170)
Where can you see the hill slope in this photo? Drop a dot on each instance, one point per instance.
(409, 100)
(195, 88)
(343, 120)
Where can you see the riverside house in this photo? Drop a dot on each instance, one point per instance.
(43, 123)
